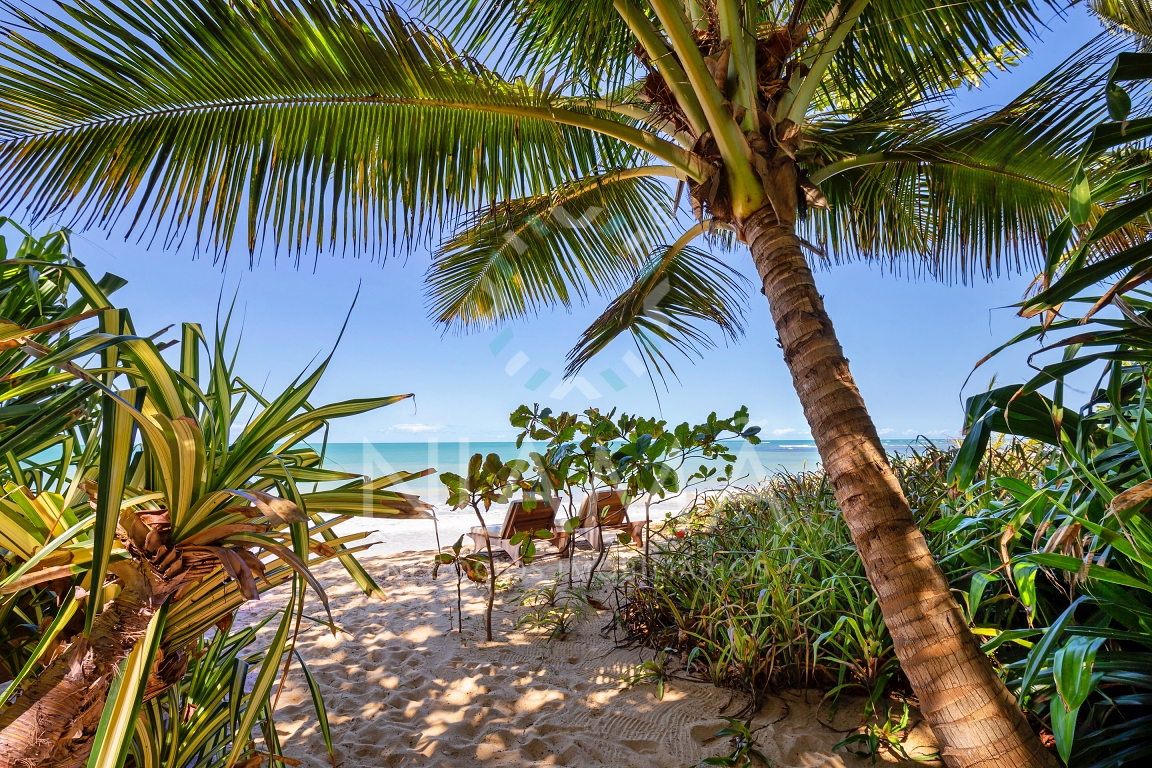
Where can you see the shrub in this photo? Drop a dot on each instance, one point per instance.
(761, 589)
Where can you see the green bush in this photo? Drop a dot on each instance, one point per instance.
(761, 589)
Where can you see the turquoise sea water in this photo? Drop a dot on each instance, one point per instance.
(754, 464)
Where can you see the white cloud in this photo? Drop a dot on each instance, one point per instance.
(417, 428)
(782, 432)
(886, 431)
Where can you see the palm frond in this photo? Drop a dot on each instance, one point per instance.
(1132, 18)
(307, 121)
(677, 290)
(953, 197)
(933, 43)
(515, 257)
(585, 42)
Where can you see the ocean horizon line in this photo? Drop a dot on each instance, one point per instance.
(763, 441)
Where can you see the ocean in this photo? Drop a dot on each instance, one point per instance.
(753, 464)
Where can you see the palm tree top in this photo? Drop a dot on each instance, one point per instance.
(559, 169)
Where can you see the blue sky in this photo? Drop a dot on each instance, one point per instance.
(911, 343)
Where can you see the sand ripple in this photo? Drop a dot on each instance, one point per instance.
(403, 689)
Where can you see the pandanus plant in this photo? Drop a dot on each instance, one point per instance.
(183, 500)
(311, 122)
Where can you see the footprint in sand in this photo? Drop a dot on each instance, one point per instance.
(517, 703)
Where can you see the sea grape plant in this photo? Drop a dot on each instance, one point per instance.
(489, 480)
(643, 457)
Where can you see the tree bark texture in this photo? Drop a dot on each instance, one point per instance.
(54, 721)
(974, 717)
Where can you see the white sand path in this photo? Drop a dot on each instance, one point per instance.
(403, 689)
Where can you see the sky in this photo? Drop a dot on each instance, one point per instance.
(911, 343)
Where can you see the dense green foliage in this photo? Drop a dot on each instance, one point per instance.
(194, 722)
(1090, 673)
(761, 589)
(125, 472)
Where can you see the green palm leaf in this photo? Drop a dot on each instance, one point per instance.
(585, 42)
(518, 256)
(955, 197)
(679, 288)
(1130, 17)
(312, 121)
(930, 42)
(588, 44)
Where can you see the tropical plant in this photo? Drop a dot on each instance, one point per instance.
(149, 544)
(461, 564)
(652, 459)
(490, 480)
(579, 454)
(862, 647)
(642, 457)
(654, 670)
(759, 589)
(1090, 668)
(45, 292)
(196, 721)
(45, 415)
(787, 121)
(553, 606)
(884, 735)
(744, 750)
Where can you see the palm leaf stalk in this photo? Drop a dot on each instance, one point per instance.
(173, 511)
(312, 122)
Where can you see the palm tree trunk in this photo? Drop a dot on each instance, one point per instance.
(54, 721)
(974, 717)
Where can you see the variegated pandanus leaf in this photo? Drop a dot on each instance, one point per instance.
(279, 511)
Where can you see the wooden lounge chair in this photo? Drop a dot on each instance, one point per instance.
(613, 514)
(518, 519)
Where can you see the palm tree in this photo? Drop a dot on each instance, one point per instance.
(302, 124)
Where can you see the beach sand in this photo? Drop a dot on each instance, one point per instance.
(403, 688)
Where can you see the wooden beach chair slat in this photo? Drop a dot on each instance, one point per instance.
(613, 514)
(522, 520)
(519, 519)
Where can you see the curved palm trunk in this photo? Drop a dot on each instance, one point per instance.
(974, 717)
(54, 721)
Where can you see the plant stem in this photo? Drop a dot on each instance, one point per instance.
(647, 535)
(742, 64)
(797, 102)
(491, 572)
(664, 63)
(747, 191)
(571, 543)
(599, 536)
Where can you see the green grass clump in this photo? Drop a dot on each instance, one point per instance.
(761, 589)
